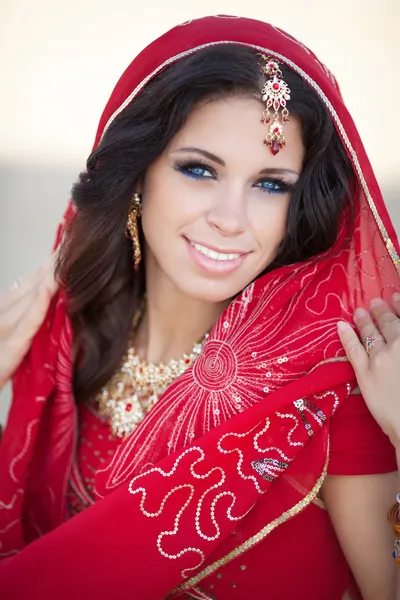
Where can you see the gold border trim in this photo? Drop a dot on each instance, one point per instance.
(258, 537)
(200, 594)
(385, 236)
(335, 359)
(309, 498)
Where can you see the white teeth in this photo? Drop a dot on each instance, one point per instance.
(212, 254)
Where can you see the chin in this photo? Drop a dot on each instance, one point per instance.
(211, 291)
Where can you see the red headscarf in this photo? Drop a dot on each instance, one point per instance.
(248, 422)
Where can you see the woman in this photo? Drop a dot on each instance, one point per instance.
(192, 238)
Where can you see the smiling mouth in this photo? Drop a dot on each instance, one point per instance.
(220, 256)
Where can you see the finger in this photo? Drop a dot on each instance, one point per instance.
(396, 303)
(354, 349)
(32, 319)
(12, 313)
(12, 295)
(10, 316)
(16, 291)
(367, 329)
(50, 281)
(19, 341)
(387, 321)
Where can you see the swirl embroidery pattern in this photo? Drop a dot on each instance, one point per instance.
(207, 504)
(235, 370)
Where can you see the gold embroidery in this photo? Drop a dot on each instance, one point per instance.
(258, 537)
(310, 497)
(320, 503)
(199, 594)
(327, 361)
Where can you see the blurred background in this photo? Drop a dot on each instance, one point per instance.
(60, 60)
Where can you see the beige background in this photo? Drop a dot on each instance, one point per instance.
(60, 60)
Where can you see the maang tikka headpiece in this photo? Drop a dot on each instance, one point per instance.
(275, 92)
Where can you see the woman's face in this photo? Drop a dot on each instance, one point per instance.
(215, 202)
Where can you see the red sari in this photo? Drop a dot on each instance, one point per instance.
(223, 472)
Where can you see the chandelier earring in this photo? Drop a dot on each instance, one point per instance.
(132, 228)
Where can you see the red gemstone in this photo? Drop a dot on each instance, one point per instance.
(276, 130)
(187, 361)
(276, 86)
(275, 147)
(271, 66)
(128, 407)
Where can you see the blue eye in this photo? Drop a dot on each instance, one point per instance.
(273, 186)
(196, 171)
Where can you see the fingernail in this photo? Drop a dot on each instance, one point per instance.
(360, 313)
(375, 302)
(342, 326)
(396, 297)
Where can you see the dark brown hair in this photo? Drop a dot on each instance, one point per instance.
(96, 263)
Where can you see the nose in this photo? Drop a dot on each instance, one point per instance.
(227, 213)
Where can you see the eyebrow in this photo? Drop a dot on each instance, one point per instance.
(219, 161)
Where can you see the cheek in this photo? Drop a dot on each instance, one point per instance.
(164, 215)
(158, 203)
(269, 222)
(171, 202)
(155, 222)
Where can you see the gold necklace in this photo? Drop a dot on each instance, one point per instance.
(133, 391)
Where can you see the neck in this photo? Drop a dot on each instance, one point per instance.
(172, 322)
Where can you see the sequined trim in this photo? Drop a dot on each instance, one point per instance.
(327, 361)
(320, 503)
(198, 594)
(258, 537)
(388, 243)
(385, 236)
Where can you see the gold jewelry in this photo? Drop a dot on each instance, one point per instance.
(135, 388)
(274, 93)
(393, 518)
(132, 229)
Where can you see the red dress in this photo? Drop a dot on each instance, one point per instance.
(358, 447)
(273, 365)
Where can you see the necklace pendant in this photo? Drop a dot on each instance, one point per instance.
(135, 388)
(124, 414)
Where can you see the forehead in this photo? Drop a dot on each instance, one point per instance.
(231, 128)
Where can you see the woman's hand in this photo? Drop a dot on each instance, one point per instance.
(376, 361)
(22, 311)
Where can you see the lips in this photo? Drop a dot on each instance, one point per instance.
(214, 261)
(216, 254)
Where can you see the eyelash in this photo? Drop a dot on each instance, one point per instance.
(185, 167)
